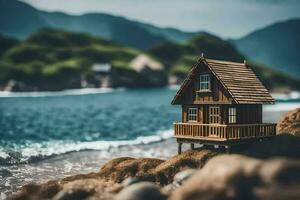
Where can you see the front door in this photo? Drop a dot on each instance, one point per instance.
(214, 118)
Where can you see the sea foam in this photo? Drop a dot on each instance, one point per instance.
(34, 152)
(71, 92)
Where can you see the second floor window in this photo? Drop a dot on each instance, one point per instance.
(192, 114)
(204, 82)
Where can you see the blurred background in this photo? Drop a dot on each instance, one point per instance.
(82, 75)
(50, 45)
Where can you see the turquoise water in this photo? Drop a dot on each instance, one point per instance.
(49, 135)
(37, 125)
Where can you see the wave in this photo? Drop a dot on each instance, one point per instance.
(35, 152)
(71, 92)
(292, 96)
(282, 107)
(174, 87)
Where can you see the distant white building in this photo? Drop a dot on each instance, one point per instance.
(142, 61)
(101, 67)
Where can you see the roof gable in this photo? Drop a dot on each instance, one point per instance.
(237, 78)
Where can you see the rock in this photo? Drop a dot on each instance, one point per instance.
(141, 191)
(82, 189)
(38, 191)
(284, 145)
(130, 181)
(117, 170)
(5, 173)
(240, 177)
(281, 172)
(179, 179)
(182, 176)
(154, 170)
(75, 195)
(290, 123)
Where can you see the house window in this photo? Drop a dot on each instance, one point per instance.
(232, 115)
(204, 82)
(214, 115)
(192, 114)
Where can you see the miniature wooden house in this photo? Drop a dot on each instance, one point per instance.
(221, 105)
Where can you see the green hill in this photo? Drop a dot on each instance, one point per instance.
(180, 58)
(55, 60)
(7, 43)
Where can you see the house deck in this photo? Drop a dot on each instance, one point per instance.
(221, 133)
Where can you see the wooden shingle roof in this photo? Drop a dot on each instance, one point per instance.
(237, 78)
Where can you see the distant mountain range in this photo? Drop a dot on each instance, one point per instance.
(277, 45)
(55, 60)
(19, 20)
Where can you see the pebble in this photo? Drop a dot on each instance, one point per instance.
(182, 176)
(130, 181)
(5, 173)
(141, 191)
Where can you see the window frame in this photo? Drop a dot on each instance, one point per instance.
(214, 115)
(204, 79)
(192, 116)
(232, 115)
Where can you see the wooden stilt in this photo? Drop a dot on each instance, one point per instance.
(179, 147)
(228, 148)
(192, 146)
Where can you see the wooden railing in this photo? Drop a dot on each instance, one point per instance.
(223, 132)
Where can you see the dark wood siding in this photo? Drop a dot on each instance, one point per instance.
(217, 95)
(245, 114)
(249, 114)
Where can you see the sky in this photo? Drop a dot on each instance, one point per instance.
(228, 19)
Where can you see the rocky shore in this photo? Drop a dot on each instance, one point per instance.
(267, 169)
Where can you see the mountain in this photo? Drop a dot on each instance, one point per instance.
(277, 46)
(172, 34)
(19, 19)
(179, 59)
(56, 60)
(110, 27)
(7, 43)
(183, 56)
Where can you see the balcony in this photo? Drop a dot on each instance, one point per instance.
(219, 132)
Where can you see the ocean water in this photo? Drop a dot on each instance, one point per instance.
(50, 135)
(34, 126)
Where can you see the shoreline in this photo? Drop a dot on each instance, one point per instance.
(87, 161)
(81, 162)
(279, 96)
(169, 174)
(83, 159)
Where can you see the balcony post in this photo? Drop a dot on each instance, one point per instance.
(179, 147)
(228, 149)
(192, 146)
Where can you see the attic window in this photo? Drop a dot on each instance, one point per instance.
(204, 82)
